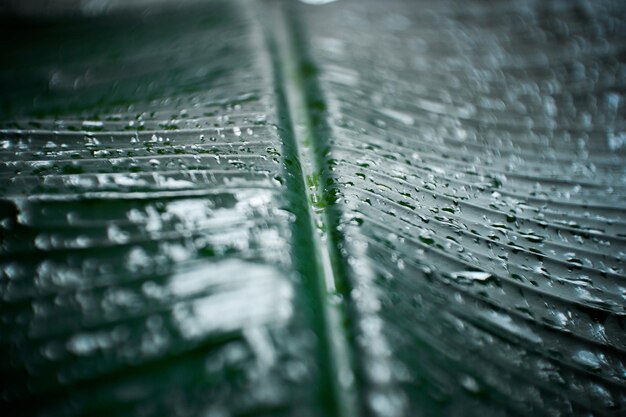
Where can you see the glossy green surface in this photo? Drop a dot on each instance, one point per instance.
(270, 208)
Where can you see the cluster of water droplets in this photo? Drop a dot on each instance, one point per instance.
(145, 257)
(480, 178)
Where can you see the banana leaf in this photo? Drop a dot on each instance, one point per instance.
(313, 208)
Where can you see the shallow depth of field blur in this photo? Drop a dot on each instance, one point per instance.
(300, 208)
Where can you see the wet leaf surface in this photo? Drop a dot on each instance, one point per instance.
(278, 208)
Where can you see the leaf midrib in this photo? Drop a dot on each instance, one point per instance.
(304, 147)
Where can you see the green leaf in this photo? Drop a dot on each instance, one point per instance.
(273, 208)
